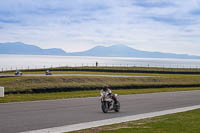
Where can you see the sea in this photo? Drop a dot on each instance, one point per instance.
(19, 62)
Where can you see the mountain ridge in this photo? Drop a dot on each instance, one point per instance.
(27, 49)
(118, 50)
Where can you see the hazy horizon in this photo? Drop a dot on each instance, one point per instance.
(12, 62)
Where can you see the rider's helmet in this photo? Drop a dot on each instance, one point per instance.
(105, 88)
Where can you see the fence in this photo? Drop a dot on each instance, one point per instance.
(45, 66)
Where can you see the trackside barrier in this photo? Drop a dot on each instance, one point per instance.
(1, 91)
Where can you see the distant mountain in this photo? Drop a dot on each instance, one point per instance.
(25, 49)
(125, 51)
(101, 51)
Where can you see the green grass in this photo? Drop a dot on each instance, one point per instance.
(78, 94)
(185, 122)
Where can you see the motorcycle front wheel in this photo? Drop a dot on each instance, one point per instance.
(117, 106)
(104, 107)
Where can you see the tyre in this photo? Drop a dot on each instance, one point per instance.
(117, 106)
(104, 107)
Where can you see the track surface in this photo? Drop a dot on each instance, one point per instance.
(54, 75)
(18, 117)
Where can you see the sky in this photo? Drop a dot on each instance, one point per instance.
(171, 26)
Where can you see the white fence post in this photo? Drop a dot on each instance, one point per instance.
(1, 91)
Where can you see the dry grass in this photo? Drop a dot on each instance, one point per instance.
(15, 84)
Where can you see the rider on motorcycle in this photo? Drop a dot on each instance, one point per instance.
(108, 92)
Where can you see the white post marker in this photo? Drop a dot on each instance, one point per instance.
(1, 91)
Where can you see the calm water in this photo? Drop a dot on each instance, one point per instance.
(8, 62)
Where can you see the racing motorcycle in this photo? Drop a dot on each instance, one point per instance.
(108, 103)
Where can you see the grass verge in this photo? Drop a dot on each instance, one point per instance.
(185, 122)
(78, 94)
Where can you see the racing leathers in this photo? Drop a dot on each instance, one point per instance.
(108, 92)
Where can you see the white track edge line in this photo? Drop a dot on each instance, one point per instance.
(92, 124)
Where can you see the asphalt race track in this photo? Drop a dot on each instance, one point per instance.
(96, 75)
(26, 116)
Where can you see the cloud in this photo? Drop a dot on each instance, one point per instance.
(155, 25)
(153, 3)
(8, 21)
(174, 21)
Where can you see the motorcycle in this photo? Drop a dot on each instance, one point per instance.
(48, 72)
(108, 103)
(18, 73)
